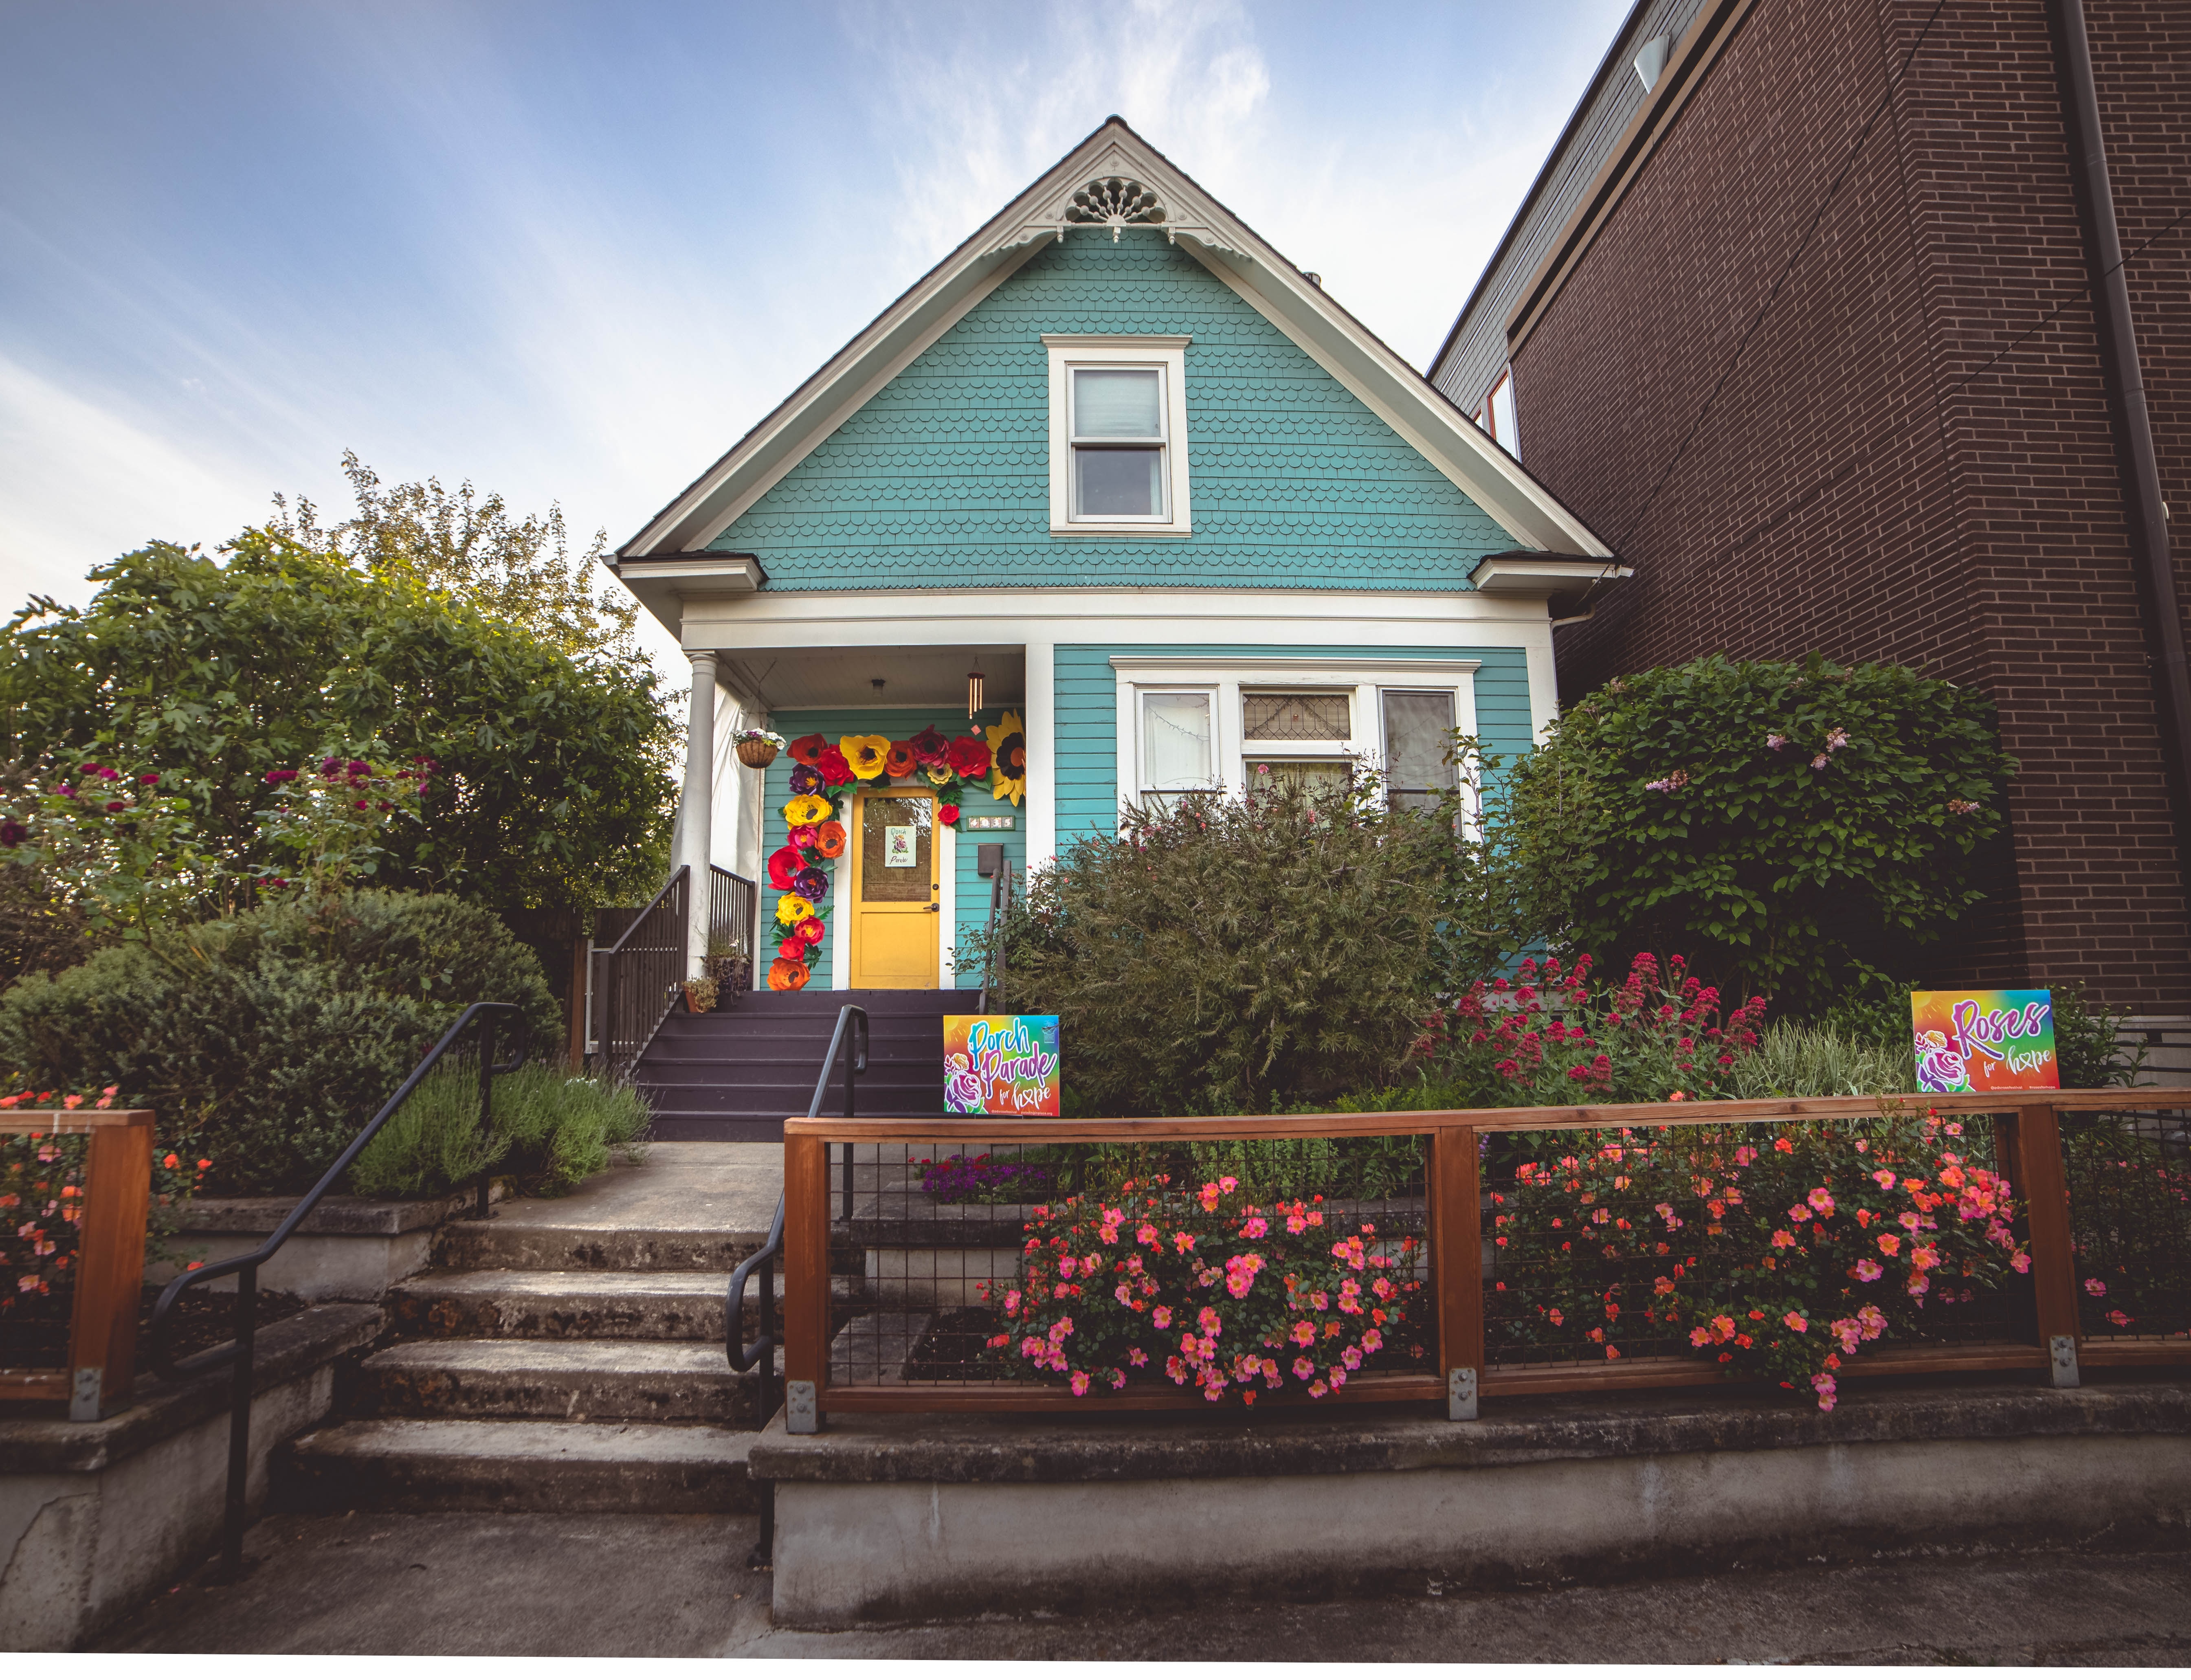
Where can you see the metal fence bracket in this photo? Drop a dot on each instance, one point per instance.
(1461, 1394)
(800, 1415)
(85, 1398)
(2065, 1350)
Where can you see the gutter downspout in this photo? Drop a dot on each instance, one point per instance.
(2146, 513)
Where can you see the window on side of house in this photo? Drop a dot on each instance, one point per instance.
(1496, 416)
(1418, 726)
(1118, 436)
(1178, 744)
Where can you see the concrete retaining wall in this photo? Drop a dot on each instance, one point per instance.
(1020, 1513)
(348, 1248)
(94, 1517)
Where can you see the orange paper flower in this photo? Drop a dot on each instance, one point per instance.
(830, 839)
(787, 976)
(899, 760)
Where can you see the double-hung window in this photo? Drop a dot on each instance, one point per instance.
(1178, 743)
(1117, 432)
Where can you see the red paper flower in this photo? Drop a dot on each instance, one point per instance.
(802, 837)
(899, 760)
(970, 756)
(947, 815)
(807, 750)
(812, 930)
(835, 771)
(783, 863)
(793, 950)
(928, 747)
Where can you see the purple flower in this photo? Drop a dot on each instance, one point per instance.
(805, 779)
(810, 884)
(11, 832)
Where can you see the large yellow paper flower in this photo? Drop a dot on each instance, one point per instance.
(804, 809)
(792, 910)
(866, 754)
(1008, 758)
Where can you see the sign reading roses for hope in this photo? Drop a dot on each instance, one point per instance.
(1984, 1040)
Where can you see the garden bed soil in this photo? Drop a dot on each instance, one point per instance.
(201, 1321)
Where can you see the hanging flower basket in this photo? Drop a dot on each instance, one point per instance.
(757, 748)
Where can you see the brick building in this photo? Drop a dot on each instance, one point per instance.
(1809, 314)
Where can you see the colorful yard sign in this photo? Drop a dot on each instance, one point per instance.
(1000, 1064)
(1984, 1040)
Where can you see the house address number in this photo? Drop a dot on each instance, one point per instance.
(988, 822)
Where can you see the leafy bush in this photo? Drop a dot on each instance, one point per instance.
(1777, 1253)
(1210, 1288)
(1229, 955)
(274, 1037)
(1796, 1059)
(1554, 1036)
(551, 1130)
(1791, 828)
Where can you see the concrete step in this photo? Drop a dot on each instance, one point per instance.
(538, 1245)
(448, 1464)
(573, 1306)
(578, 1382)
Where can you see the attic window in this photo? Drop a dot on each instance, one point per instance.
(1118, 436)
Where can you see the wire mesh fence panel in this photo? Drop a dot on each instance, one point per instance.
(42, 1191)
(1286, 1267)
(1774, 1248)
(2130, 1220)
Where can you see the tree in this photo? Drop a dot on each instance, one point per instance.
(1795, 830)
(520, 572)
(554, 787)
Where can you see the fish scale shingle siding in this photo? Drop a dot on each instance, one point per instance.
(942, 477)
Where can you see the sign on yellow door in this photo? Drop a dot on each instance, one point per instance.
(895, 901)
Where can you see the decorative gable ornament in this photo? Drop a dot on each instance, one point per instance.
(1121, 188)
(1115, 203)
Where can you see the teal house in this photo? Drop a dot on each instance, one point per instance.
(1113, 503)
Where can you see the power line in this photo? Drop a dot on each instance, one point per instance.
(1788, 269)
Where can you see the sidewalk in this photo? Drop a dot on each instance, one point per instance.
(474, 1585)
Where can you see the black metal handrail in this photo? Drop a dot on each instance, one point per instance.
(244, 1267)
(762, 1260)
(646, 970)
(1000, 906)
(733, 908)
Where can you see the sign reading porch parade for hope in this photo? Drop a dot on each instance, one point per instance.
(1000, 1064)
(1984, 1040)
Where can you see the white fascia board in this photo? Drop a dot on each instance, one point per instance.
(1519, 575)
(952, 618)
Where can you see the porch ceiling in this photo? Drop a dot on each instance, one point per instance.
(794, 677)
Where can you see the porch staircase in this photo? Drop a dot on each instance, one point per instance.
(733, 1074)
(565, 1356)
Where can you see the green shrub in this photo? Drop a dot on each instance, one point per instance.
(1796, 1059)
(274, 1037)
(1790, 829)
(1230, 955)
(550, 1130)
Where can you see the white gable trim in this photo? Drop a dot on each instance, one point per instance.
(1338, 342)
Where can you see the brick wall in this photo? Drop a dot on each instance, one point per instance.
(1911, 460)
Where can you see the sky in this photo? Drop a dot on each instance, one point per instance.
(571, 252)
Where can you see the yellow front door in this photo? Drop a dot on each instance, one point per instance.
(894, 898)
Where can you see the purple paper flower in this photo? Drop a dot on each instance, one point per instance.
(810, 884)
(805, 779)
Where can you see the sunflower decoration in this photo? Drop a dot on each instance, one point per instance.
(830, 839)
(867, 754)
(807, 750)
(900, 760)
(1008, 758)
(803, 811)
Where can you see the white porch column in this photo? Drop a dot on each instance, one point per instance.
(695, 834)
(1041, 723)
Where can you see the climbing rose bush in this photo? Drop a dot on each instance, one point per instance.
(1778, 1254)
(1210, 1289)
(1556, 1036)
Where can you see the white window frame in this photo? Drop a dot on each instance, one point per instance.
(1167, 354)
(1487, 415)
(1228, 677)
(1139, 789)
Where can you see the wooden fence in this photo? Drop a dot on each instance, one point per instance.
(110, 1259)
(2027, 1141)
